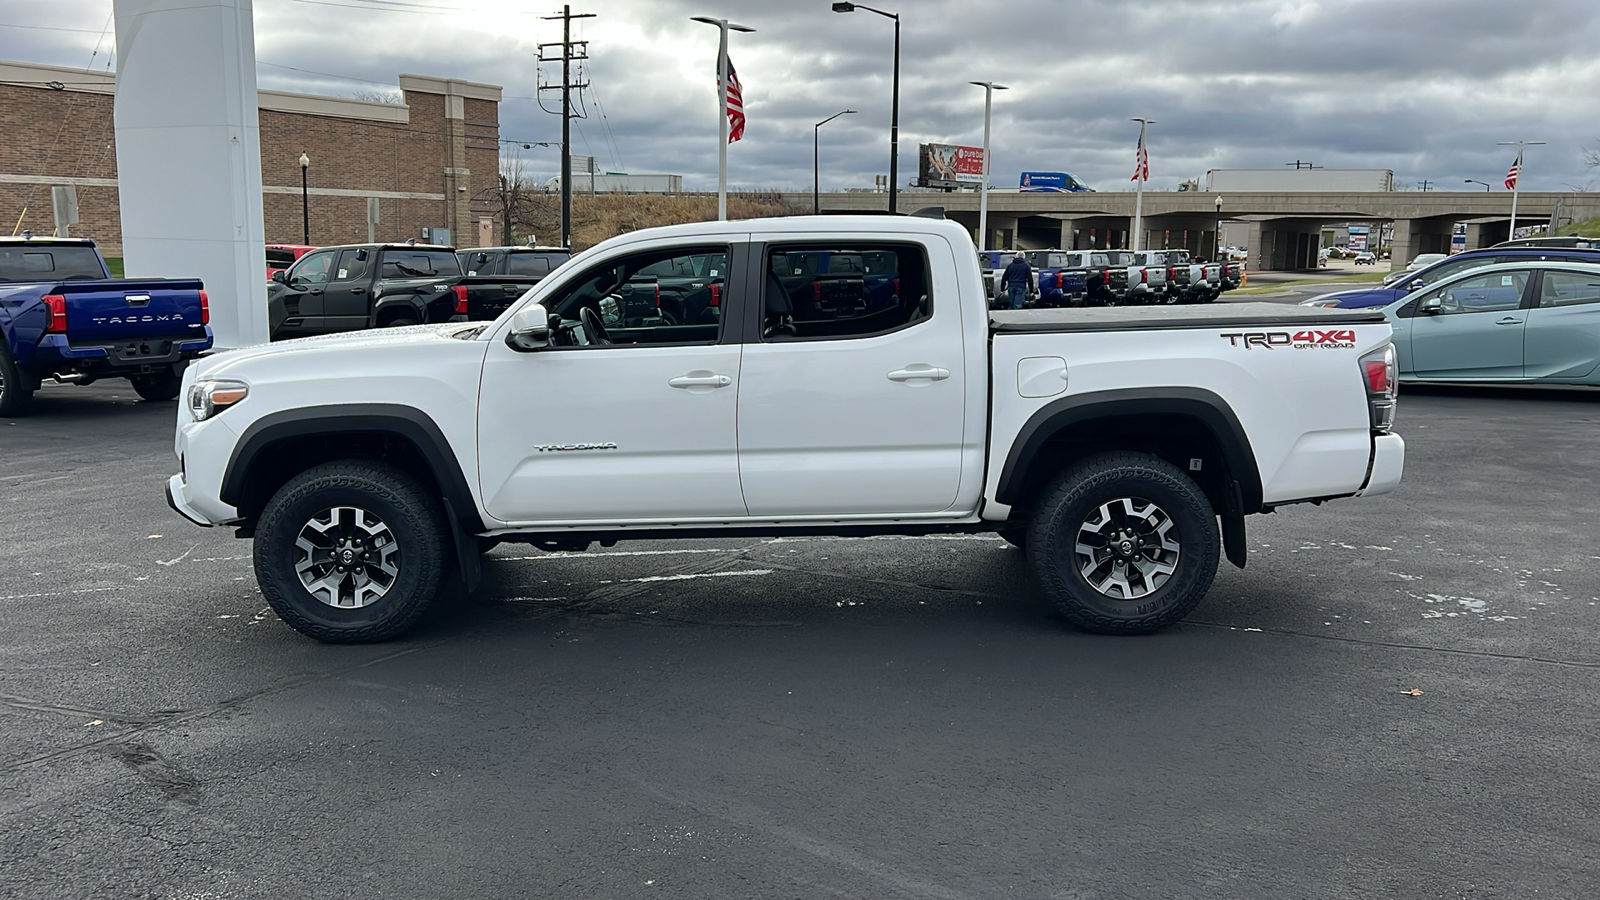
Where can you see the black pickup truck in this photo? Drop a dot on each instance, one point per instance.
(497, 276)
(357, 286)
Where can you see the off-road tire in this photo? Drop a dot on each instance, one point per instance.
(158, 386)
(15, 397)
(412, 516)
(400, 321)
(1076, 495)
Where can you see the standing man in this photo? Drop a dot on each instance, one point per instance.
(1017, 280)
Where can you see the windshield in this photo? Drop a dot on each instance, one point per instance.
(419, 263)
(47, 263)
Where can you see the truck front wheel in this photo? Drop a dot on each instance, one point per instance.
(1124, 543)
(350, 551)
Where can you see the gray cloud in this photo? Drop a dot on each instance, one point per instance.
(1425, 87)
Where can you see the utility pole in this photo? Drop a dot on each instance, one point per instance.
(567, 58)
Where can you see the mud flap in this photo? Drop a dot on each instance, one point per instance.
(466, 549)
(1233, 542)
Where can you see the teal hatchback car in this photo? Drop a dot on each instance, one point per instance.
(1531, 323)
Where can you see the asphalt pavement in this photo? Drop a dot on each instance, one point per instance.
(1399, 697)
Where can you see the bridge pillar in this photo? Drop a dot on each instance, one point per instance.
(1414, 236)
(1284, 244)
(1069, 230)
(1487, 234)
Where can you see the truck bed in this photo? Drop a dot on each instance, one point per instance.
(1163, 318)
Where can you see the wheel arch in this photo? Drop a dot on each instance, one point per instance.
(278, 446)
(1176, 423)
(388, 306)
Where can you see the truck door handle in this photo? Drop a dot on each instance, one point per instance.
(919, 372)
(700, 379)
(358, 290)
(1509, 320)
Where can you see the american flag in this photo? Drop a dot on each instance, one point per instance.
(1513, 172)
(735, 106)
(1141, 165)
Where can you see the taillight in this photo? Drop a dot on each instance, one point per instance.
(57, 306)
(658, 295)
(1172, 274)
(716, 295)
(205, 309)
(460, 291)
(1378, 368)
(1144, 276)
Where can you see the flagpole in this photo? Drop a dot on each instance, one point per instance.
(722, 25)
(1138, 177)
(1516, 183)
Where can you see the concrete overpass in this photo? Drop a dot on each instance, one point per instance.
(1285, 228)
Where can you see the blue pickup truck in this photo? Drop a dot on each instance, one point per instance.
(63, 317)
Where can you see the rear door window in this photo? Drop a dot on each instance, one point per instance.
(835, 291)
(419, 264)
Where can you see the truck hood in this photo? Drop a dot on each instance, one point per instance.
(218, 365)
(1365, 297)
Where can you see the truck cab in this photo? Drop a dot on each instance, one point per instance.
(357, 286)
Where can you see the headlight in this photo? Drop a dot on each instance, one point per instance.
(1319, 302)
(207, 398)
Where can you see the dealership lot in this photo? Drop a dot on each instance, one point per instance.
(805, 717)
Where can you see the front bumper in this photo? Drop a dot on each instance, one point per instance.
(176, 489)
(1388, 463)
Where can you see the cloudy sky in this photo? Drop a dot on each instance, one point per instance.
(1423, 87)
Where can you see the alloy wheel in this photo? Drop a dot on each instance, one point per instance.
(347, 557)
(1127, 548)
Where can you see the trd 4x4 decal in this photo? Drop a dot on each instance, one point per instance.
(1336, 339)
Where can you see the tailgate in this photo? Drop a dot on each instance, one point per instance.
(488, 296)
(105, 312)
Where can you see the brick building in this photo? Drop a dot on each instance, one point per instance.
(431, 161)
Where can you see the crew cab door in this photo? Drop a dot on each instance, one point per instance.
(347, 298)
(1562, 339)
(1477, 331)
(637, 430)
(853, 404)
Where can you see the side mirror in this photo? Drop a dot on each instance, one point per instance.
(280, 276)
(530, 329)
(1431, 306)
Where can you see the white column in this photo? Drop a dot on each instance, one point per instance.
(189, 154)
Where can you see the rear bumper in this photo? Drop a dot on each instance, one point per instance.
(1388, 463)
(56, 354)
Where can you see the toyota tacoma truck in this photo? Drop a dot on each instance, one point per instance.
(64, 318)
(358, 286)
(1121, 448)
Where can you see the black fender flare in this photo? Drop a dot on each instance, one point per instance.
(406, 422)
(411, 300)
(1242, 492)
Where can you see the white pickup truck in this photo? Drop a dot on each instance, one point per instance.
(1122, 448)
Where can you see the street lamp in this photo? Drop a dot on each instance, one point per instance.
(816, 170)
(723, 26)
(1138, 180)
(989, 88)
(894, 109)
(1218, 242)
(1486, 185)
(305, 201)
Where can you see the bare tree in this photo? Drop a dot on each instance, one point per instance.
(522, 207)
(371, 95)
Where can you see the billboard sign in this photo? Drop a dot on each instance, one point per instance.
(948, 166)
(1359, 237)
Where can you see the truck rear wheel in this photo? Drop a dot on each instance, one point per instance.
(163, 385)
(16, 397)
(350, 552)
(1124, 543)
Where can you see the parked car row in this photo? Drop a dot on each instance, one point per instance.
(356, 286)
(1070, 278)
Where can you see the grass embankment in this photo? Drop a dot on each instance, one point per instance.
(114, 266)
(1280, 287)
(607, 215)
(1586, 228)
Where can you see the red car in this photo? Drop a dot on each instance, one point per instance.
(282, 256)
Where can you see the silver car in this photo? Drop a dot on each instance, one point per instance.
(1535, 322)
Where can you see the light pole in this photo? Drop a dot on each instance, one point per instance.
(305, 201)
(1487, 187)
(1218, 242)
(1140, 172)
(816, 167)
(1514, 180)
(989, 88)
(894, 108)
(723, 27)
